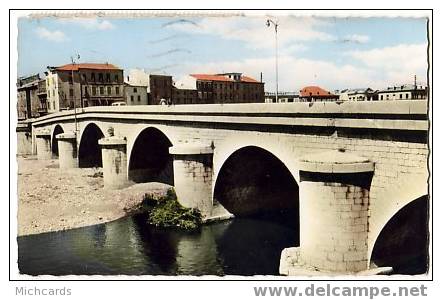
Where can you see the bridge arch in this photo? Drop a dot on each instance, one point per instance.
(403, 241)
(89, 151)
(253, 181)
(57, 129)
(149, 159)
(399, 221)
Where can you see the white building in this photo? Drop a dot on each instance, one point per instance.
(283, 97)
(359, 94)
(136, 94)
(404, 92)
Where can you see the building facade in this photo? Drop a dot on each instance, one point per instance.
(31, 97)
(136, 94)
(160, 89)
(361, 94)
(315, 93)
(83, 85)
(404, 92)
(222, 88)
(283, 97)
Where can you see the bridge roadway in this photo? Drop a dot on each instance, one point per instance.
(346, 169)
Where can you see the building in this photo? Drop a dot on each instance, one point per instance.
(42, 97)
(160, 89)
(221, 88)
(360, 94)
(404, 92)
(315, 93)
(31, 97)
(283, 97)
(83, 85)
(136, 94)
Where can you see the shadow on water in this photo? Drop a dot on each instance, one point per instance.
(243, 246)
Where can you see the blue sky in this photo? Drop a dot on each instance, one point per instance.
(331, 52)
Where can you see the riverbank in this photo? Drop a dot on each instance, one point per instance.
(50, 199)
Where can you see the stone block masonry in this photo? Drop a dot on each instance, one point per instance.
(335, 186)
(67, 150)
(114, 158)
(192, 165)
(391, 135)
(43, 140)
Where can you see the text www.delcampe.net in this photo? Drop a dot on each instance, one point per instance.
(329, 290)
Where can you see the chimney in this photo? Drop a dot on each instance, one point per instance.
(260, 78)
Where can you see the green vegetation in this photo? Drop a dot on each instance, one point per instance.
(165, 211)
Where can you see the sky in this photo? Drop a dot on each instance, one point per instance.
(332, 52)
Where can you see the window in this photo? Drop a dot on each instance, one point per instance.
(406, 96)
(139, 98)
(101, 90)
(400, 96)
(93, 77)
(135, 90)
(109, 90)
(117, 90)
(71, 92)
(107, 77)
(85, 90)
(116, 77)
(83, 76)
(382, 97)
(131, 98)
(100, 76)
(94, 91)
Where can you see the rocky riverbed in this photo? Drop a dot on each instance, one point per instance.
(50, 199)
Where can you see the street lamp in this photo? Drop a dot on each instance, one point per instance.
(275, 24)
(73, 88)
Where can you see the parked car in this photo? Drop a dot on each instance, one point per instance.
(119, 104)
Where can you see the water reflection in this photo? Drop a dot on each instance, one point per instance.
(130, 246)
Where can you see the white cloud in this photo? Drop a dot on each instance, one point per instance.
(294, 73)
(379, 68)
(54, 36)
(89, 23)
(254, 32)
(397, 63)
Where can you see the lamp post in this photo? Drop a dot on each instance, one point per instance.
(73, 89)
(275, 24)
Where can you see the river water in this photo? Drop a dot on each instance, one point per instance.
(241, 246)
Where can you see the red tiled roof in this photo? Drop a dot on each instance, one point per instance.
(314, 91)
(75, 67)
(211, 77)
(248, 79)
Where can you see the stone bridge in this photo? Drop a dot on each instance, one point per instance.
(345, 170)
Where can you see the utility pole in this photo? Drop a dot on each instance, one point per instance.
(275, 24)
(73, 90)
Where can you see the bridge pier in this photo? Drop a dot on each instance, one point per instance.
(114, 156)
(334, 201)
(24, 139)
(43, 141)
(192, 169)
(67, 150)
